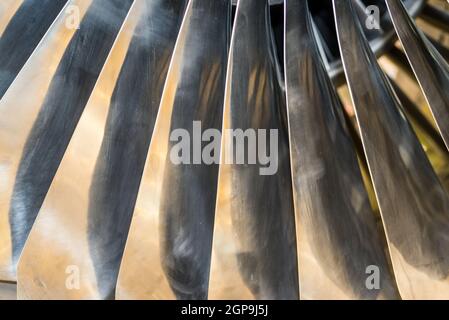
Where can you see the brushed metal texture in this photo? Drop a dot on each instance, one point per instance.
(430, 68)
(413, 203)
(338, 239)
(44, 116)
(22, 34)
(254, 252)
(167, 255)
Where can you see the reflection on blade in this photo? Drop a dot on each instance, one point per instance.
(64, 72)
(338, 240)
(7, 10)
(413, 204)
(427, 133)
(430, 68)
(254, 250)
(168, 251)
(422, 124)
(96, 185)
(22, 34)
(23, 110)
(442, 49)
(8, 291)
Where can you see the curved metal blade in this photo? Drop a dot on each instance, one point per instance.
(413, 112)
(22, 35)
(41, 122)
(430, 68)
(338, 240)
(96, 185)
(7, 10)
(413, 204)
(254, 251)
(168, 251)
(426, 132)
(415, 115)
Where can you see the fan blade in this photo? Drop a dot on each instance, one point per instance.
(8, 291)
(96, 185)
(254, 252)
(22, 34)
(430, 68)
(168, 251)
(338, 240)
(7, 10)
(413, 204)
(43, 117)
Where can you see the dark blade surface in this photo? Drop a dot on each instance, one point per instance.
(436, 16)
(99, 183)
(65, 100)
(413, 204)
(430, 68)
(42, 121)
(254, 239)
(171, 236)
(337, 234)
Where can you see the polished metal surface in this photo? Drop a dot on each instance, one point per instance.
(430, 68)
(416, 117)
(272, 2)
(254, 251)
(101, 179)
(413, 204)
(338, 239)
(380, 40)
(22, 33)
(134, 162)
(7, 10)
(167, 255)
(42, 121)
